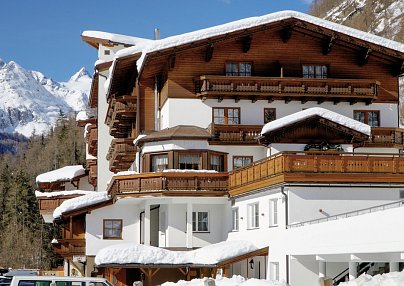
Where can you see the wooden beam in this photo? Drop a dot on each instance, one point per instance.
(247, 43)
(303, 100)
(328, 44)
(253, 99)
(220, 98)
(171, 61)
(287, 33)
(209, 53)
(363, 56)
(287, 100)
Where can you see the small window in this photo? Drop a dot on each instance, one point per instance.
(273, 212)
(217, 162)
(107, 52)
(269, 114)
(314, 71)
(200, 221)
(239, 69)
(112, 229)
(226, 115)
(241, 161)
(189, 161)
(235, 219)
(253, 216)
(159, 162)
(369, 117)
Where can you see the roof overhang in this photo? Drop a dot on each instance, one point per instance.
(83, 210)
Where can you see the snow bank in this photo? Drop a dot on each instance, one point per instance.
(64, 174)
(61, 193)
(80, 202)
(325, 113)
(128, 253)
(387, 279)
(236, 280)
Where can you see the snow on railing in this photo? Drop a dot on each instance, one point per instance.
(373, 209)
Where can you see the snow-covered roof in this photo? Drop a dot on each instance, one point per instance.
(317, 111)
(115, 38)
(64, 174)
(80, 202)
(152, 46)
(129, 253)
(39, 194)
(236, 280)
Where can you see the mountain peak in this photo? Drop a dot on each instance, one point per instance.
(81, 73)
(2, 63)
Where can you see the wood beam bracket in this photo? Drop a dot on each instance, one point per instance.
(320, 100)
(220, 98)
(303, 100)
(287, 100)
(247, 43)
(364, 56)
(253, 99)
(171, 61)
(328, 44)
(287, 33)
(209, 52)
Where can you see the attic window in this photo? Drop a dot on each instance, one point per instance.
(107, 52)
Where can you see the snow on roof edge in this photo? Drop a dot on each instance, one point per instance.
(117, 38)
(63, 174)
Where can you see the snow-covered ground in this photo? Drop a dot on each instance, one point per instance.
(388, 279)
(223, 281)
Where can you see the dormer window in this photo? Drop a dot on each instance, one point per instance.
(239, 69)
(314, 71)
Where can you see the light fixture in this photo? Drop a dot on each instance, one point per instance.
(251, 263)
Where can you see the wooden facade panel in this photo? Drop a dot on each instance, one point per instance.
(146, 107)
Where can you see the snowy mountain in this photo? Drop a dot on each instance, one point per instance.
(30, 102)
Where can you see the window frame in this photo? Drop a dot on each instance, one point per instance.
(315, 75)
(104, 228)
(270, 109)
(253, 215)
(222, 161)
(273, 212)
(197, 230)
(366, 118)
(226, 115)
(159, 154)
(241, 156)
(239, 63)
(182, 153)
(235, 219)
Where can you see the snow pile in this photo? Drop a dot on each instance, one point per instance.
(387, 279)
(125, 173)
(129, 253)
(236, 280)
(138, 138)
(317, 111)
(61, 193)
(80, 202)
(64, 174)
(82, 115)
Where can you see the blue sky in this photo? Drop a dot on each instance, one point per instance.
(44, 35)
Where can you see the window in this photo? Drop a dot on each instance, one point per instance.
(226, 115)
(159, 163)
(217, 162)
(189, 161)
(107, 52)
(269, 115)
(238, 69)
(112, 229)
(314, 71)
(200, 221)
(235, 219)
(273, 212)
(241, 161)
(370, 117)
(253, 216)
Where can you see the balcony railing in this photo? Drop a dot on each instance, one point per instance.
(93, 140)
(318, 167)
(121, 115)
(234, 134)
(199, 182)
(47, 205)
(208, 86)
(386, 137)
(121, 154)
(92, 171)
(70, 247)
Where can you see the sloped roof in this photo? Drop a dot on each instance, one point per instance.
(177, 132)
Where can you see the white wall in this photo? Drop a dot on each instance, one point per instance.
(129, 214)
(197, 112)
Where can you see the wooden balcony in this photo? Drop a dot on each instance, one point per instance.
(93, 140)
(170, 183)
(48, 205)
(269, 88)
(121, 116)
(121, 154)
(70, 247)
(386, 138)
(234, 134)
(92, 174)
(317, 167)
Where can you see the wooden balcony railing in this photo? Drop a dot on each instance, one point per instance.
(47, 205)
(70, 247)
(121, 154)
(234, 134)
(91, 166)
(386, 137)
(211, 86)
(121, 115)
(93, 140)
(318, 167)
(199, 182)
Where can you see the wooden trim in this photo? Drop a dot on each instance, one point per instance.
(104, 236)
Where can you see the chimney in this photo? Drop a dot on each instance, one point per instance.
(157, 34)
